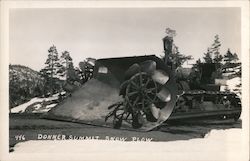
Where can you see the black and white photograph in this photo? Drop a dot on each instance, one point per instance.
(125, 80)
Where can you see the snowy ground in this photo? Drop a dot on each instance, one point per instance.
(37, 105)
(231, 85)
(217, 145)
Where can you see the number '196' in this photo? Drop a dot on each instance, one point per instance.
(20, 137)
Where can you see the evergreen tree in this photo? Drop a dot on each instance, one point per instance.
(215, 50)
(72, 73)
(228, 57)
(52, 63)
(213, 53)
(65, 64)
(208, 56)
(236, 58)
(231, 62)
(50, 71)
(178, 58)
(218, 59)
(232, 68)
(197, 64)
(67, 71)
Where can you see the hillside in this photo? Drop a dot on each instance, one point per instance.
(24, 84)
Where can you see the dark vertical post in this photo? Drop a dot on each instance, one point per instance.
(168, 43)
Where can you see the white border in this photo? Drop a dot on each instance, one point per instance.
(4, 62)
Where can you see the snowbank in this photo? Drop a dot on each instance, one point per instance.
(37, 102)
(217, 145)
(232, 85)
(21, 108)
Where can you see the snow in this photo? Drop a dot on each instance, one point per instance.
(217, 145)
(42, 110)
(38, 107)
(231, 84)
(57, 94)
(22, 107)
(51, 105)
(62, 93)
(51, 98)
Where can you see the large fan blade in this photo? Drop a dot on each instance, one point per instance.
(132, 70)
(164, 95)
(148, 66)
(160, 77)
(155, 111)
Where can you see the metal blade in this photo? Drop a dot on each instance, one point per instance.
(160, 77)
(164, 95)
(132, 70)
(148, 66)
(155, 111)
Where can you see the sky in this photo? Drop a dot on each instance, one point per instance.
(117, 32)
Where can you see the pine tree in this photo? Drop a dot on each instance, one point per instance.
(236, 58)
(52, 63)
(215, 50)
(50, 71)
(228, 57)
(213, 53)
(218, 59)
(231, 62)
(208, 56)
(231, 68)
(65, 64)
(178, 58)
(72, 73)
(197, 64)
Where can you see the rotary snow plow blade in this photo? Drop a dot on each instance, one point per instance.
(135, 93)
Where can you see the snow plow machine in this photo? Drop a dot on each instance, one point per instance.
(140, 93)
